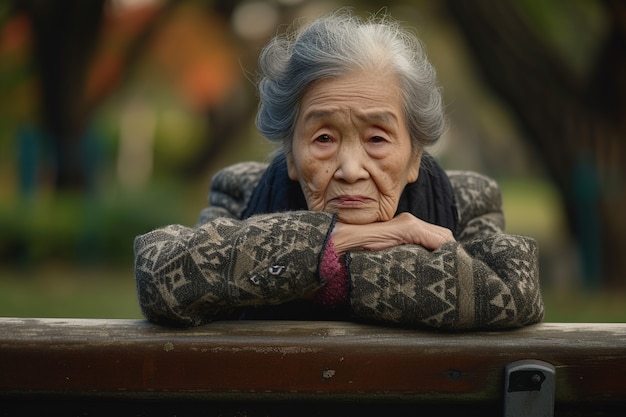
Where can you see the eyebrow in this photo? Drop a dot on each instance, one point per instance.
(381, 116)
(311, 117)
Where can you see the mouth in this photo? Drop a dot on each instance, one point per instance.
(351, 200)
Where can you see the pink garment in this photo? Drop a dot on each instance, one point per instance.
(335, 275)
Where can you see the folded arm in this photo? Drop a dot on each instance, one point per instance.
(489, 283)
(189, 276)
(485, 280)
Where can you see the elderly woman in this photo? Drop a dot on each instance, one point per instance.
(352, 219)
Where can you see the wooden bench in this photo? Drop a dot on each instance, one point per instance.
(264, 368)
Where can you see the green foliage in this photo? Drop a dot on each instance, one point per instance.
(81, 229)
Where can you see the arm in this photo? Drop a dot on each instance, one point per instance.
(189, 276)
(486, 280)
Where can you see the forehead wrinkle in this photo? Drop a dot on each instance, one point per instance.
(366, 116)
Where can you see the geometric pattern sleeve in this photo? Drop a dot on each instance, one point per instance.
(189, 276)
(485, 280)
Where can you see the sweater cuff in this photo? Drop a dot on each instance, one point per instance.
(334, 275)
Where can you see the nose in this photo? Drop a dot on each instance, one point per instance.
(351, 164)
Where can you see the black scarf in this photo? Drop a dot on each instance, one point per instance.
(430, 198)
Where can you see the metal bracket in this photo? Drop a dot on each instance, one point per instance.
(529, 389)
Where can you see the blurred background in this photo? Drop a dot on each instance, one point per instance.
(114, 115)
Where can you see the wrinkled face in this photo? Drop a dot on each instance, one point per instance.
(351, 150)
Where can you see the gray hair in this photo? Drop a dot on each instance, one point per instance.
(335, 45)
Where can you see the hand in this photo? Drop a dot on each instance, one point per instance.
(402, 229)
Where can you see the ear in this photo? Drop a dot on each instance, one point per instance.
(414, 166)
(291, 167)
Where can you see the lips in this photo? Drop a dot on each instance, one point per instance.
(351, 200)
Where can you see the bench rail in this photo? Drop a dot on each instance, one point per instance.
(237, 364)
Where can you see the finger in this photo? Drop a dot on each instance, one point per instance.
(434, 238)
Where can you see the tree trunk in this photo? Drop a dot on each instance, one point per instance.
(65, 33)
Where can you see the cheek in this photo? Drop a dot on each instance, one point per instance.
(314, 174)
(319, 181)
(393, 176)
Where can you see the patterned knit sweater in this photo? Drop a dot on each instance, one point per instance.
(189, 276)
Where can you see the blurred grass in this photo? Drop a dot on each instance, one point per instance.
(584, 306)
(68, 291)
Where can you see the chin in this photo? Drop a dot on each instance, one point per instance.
(351, 218)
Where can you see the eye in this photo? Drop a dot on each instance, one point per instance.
(325, 138)
(378, 139)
